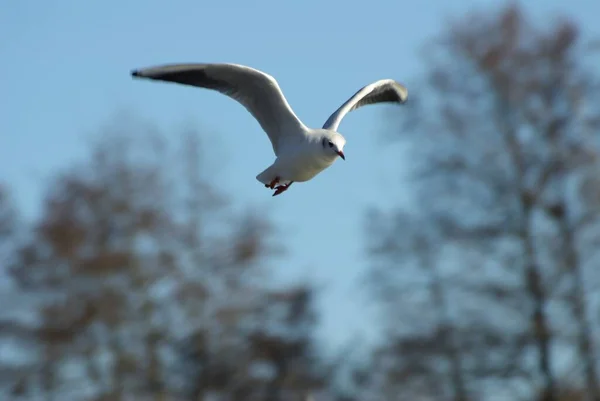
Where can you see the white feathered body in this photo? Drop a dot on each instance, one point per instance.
(298, 160)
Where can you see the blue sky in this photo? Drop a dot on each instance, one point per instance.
(65, 72)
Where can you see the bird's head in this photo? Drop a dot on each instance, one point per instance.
(333, 144)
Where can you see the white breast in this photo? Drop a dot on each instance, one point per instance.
(302, 164)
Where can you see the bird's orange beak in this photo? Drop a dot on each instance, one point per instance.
(341, 154)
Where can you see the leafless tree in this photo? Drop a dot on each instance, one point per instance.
(499, 128)
(150, 287)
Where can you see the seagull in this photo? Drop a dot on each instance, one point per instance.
(300, 152)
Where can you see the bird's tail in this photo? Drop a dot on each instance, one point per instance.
(267, 175)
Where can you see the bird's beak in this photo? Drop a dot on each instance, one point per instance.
(341, 154)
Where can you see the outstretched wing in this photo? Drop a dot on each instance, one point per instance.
(258, 92)
(382, 91)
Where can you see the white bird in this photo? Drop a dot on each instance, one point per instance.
(301, 152)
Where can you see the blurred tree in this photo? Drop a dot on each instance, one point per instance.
(9, 222)
(278, 360)
(7, 212)
(151, 287)
(502, 128)
(441, 319)
(13, 331)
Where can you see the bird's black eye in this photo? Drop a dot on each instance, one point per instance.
(331, 144)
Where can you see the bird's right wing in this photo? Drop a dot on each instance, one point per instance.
(382, 91)
(257, 91)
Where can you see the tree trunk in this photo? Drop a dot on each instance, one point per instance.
(579, 309)
(451, 348)
(539, 320)
(274, 389)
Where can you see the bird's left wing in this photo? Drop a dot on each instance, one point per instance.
(257, 91)
(382, 91)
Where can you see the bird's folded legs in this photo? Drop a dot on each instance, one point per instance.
(282, 188)
(273, 183)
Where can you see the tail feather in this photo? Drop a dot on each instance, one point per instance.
(267, 175)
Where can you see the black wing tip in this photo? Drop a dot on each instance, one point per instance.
(136, 73)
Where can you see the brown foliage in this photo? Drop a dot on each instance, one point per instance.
(125, 267)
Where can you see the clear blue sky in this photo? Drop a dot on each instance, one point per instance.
(65, 72)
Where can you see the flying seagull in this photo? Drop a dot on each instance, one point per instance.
(301, 152)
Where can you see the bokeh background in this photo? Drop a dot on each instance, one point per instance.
(452, 256)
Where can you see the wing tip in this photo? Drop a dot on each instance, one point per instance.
(136, 73)
(400, 89)
(402, 92)
(403, 96)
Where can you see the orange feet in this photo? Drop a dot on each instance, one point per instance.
(273, 183)
(282, 188)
